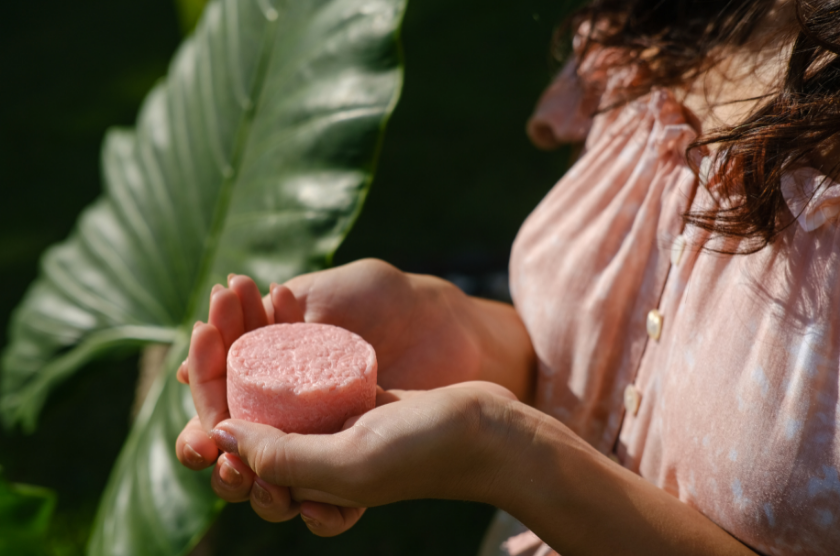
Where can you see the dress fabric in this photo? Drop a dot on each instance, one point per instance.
(733, 408)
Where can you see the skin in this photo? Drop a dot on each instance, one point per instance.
(744, 76)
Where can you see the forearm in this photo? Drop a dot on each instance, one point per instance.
(582, 503)
(507, 356)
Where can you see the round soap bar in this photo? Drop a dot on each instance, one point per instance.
(305, 378)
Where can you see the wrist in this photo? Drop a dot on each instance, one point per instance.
(507, 355)
(542, 466)
(517, 443)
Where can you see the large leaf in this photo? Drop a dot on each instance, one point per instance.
(152, 504)
(253, 157)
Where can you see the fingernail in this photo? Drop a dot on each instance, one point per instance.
(192, 457)
(229, 475)
(196, 324)
(215, 289)
(272, 287)
(260, 493)
(309, 521)
(225, 441)
(231, 276)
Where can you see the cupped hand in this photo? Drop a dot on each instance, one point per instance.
(234, 311)
(233, 481)
(450, 442)
(425, 331)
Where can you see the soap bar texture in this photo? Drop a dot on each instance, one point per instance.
(303, 377)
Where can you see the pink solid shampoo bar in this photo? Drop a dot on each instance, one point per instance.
(302, 377)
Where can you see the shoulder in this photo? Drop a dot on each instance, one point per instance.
(590, 81)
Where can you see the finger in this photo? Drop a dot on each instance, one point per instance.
(194, 448)
(226, 314)
(232, 480)
(251, 300)
(326, 520)
(302, 495)
(208, 380)
(286, 306)
(491, 387)
(384, 397)
(269, 308)
(272, 503)
(182, 375)
(305, 460)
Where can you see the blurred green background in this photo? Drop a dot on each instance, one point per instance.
(456, 178)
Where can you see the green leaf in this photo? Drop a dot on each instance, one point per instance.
(253, 157)
(25, 513)
(152, 504)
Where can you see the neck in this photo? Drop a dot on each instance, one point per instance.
(744, 76)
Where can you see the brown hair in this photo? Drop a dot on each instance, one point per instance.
(676, 41)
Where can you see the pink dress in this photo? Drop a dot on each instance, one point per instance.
(714, 377)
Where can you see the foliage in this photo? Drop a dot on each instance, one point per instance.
(25, 513)
(253, 157)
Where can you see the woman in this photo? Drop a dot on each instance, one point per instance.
(674, 327)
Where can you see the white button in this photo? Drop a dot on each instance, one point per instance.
(632, 399)
(654, 324)
(677, 249)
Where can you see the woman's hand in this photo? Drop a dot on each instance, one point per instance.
(233, 481)
(426, 333)
(443, 443)
(234, 311)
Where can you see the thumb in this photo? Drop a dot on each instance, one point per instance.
(293, 460)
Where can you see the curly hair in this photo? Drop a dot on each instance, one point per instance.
(679, 40)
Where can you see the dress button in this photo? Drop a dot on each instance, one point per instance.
(654, 324)
(677, 249)
(632, 399)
